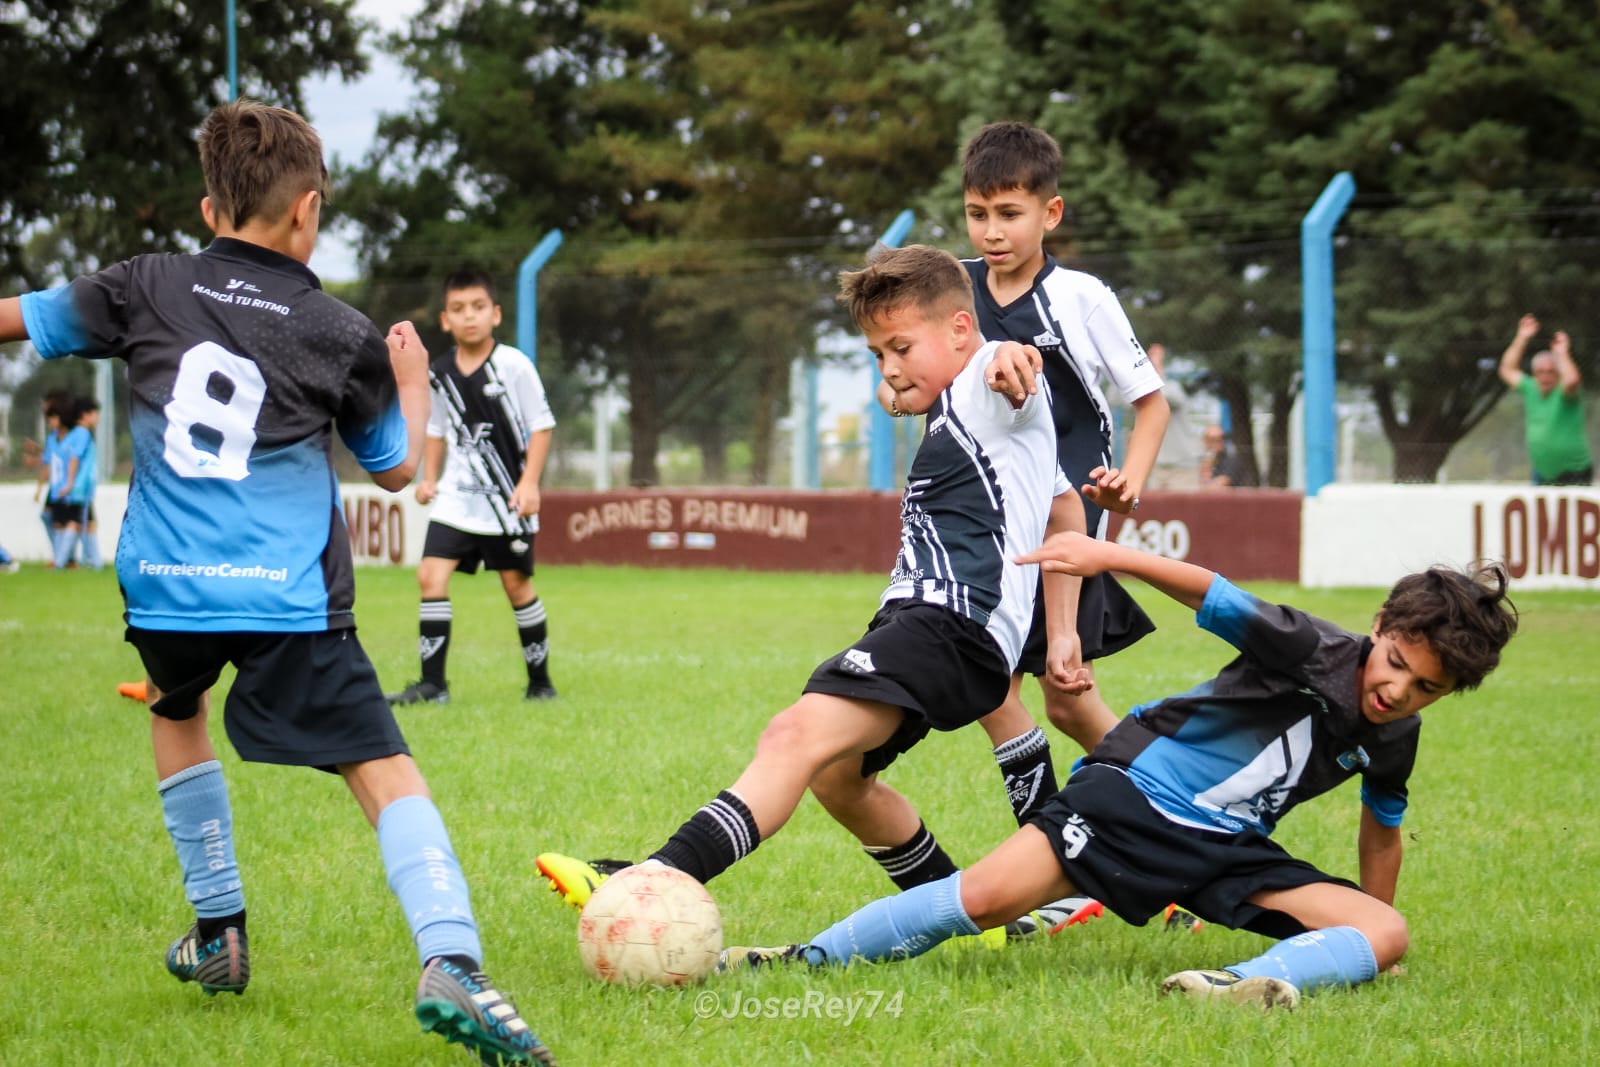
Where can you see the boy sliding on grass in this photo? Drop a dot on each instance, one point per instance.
(1178, 800)
(234, 549)
(982, 489)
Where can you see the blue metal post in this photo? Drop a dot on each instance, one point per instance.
(880, 434)
(528, 294)
(233, 53)
(1316, 321)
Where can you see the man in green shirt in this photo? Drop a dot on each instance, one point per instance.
(1553, 400)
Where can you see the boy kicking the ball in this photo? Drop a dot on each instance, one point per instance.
(234, 549)
(983, 488)
(1177, 802)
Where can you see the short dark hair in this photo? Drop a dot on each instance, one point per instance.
(469, 278)
(1011, 155)
(1465, 616)
(929, 279)
(257, 159)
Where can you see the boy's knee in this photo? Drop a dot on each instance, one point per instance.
(983, 900)
(840, 786)
(1388, 935)
(1084, 717)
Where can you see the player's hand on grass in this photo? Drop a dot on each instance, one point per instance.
(1111, 490)
(1013, 371)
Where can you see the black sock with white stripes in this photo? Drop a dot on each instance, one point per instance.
(916, 862)
(715, 838)
(535, 638)
(434, 643)
(1030, 776)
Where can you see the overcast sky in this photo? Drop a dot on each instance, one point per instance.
(346, 115)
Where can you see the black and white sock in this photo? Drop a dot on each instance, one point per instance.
(916, 862)
(535, 638)
(434, 643)
(1030, 777)
(715, 838)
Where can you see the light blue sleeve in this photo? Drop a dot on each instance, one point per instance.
(1225, 611)
(1387, 807)
(382, 444)
(53, 323)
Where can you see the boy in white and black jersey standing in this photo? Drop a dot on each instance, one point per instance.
(488, 437)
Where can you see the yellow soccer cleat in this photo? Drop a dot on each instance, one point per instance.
(575, 880)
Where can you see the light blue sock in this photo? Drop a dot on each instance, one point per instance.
(194, 803)
(63, 542)
(91, 550)
(899, 927)
(425, 876)
(1339, 955)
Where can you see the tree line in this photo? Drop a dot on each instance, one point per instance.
(712, 165)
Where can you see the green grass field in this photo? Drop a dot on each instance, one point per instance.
(666, 679)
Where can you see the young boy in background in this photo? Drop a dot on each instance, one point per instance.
(233, 548)
(1178, 801)
(1010, 174)
(489, 429)
(983, 487)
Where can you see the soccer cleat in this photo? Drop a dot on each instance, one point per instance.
(575, 880)
(1178, 918)
(463, 1007)
(133, 691)
(1071, 911)
(419, 693)
(221, 965)
(540, 691)
(747, 957)
(1268, 993)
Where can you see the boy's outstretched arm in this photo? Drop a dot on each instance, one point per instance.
(12, 328)
(410, 362)
(1075, 553)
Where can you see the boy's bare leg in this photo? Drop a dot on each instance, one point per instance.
(799, 742)
(380, 782)
(179, 745)
(1018, 876)
(1085, 717)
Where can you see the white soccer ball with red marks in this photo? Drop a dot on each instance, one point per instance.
(650, 924)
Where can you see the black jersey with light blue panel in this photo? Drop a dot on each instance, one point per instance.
(1279, 725)
(239, 369)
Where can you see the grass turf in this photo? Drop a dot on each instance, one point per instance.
(666, 679)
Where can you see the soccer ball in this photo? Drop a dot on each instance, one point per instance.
(650, 924)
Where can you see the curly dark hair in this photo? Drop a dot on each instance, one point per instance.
(1465, 616)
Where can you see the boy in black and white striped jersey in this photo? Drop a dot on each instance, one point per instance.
(488, 437)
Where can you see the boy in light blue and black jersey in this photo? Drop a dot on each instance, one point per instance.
(1179, 800)
(234, 550)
